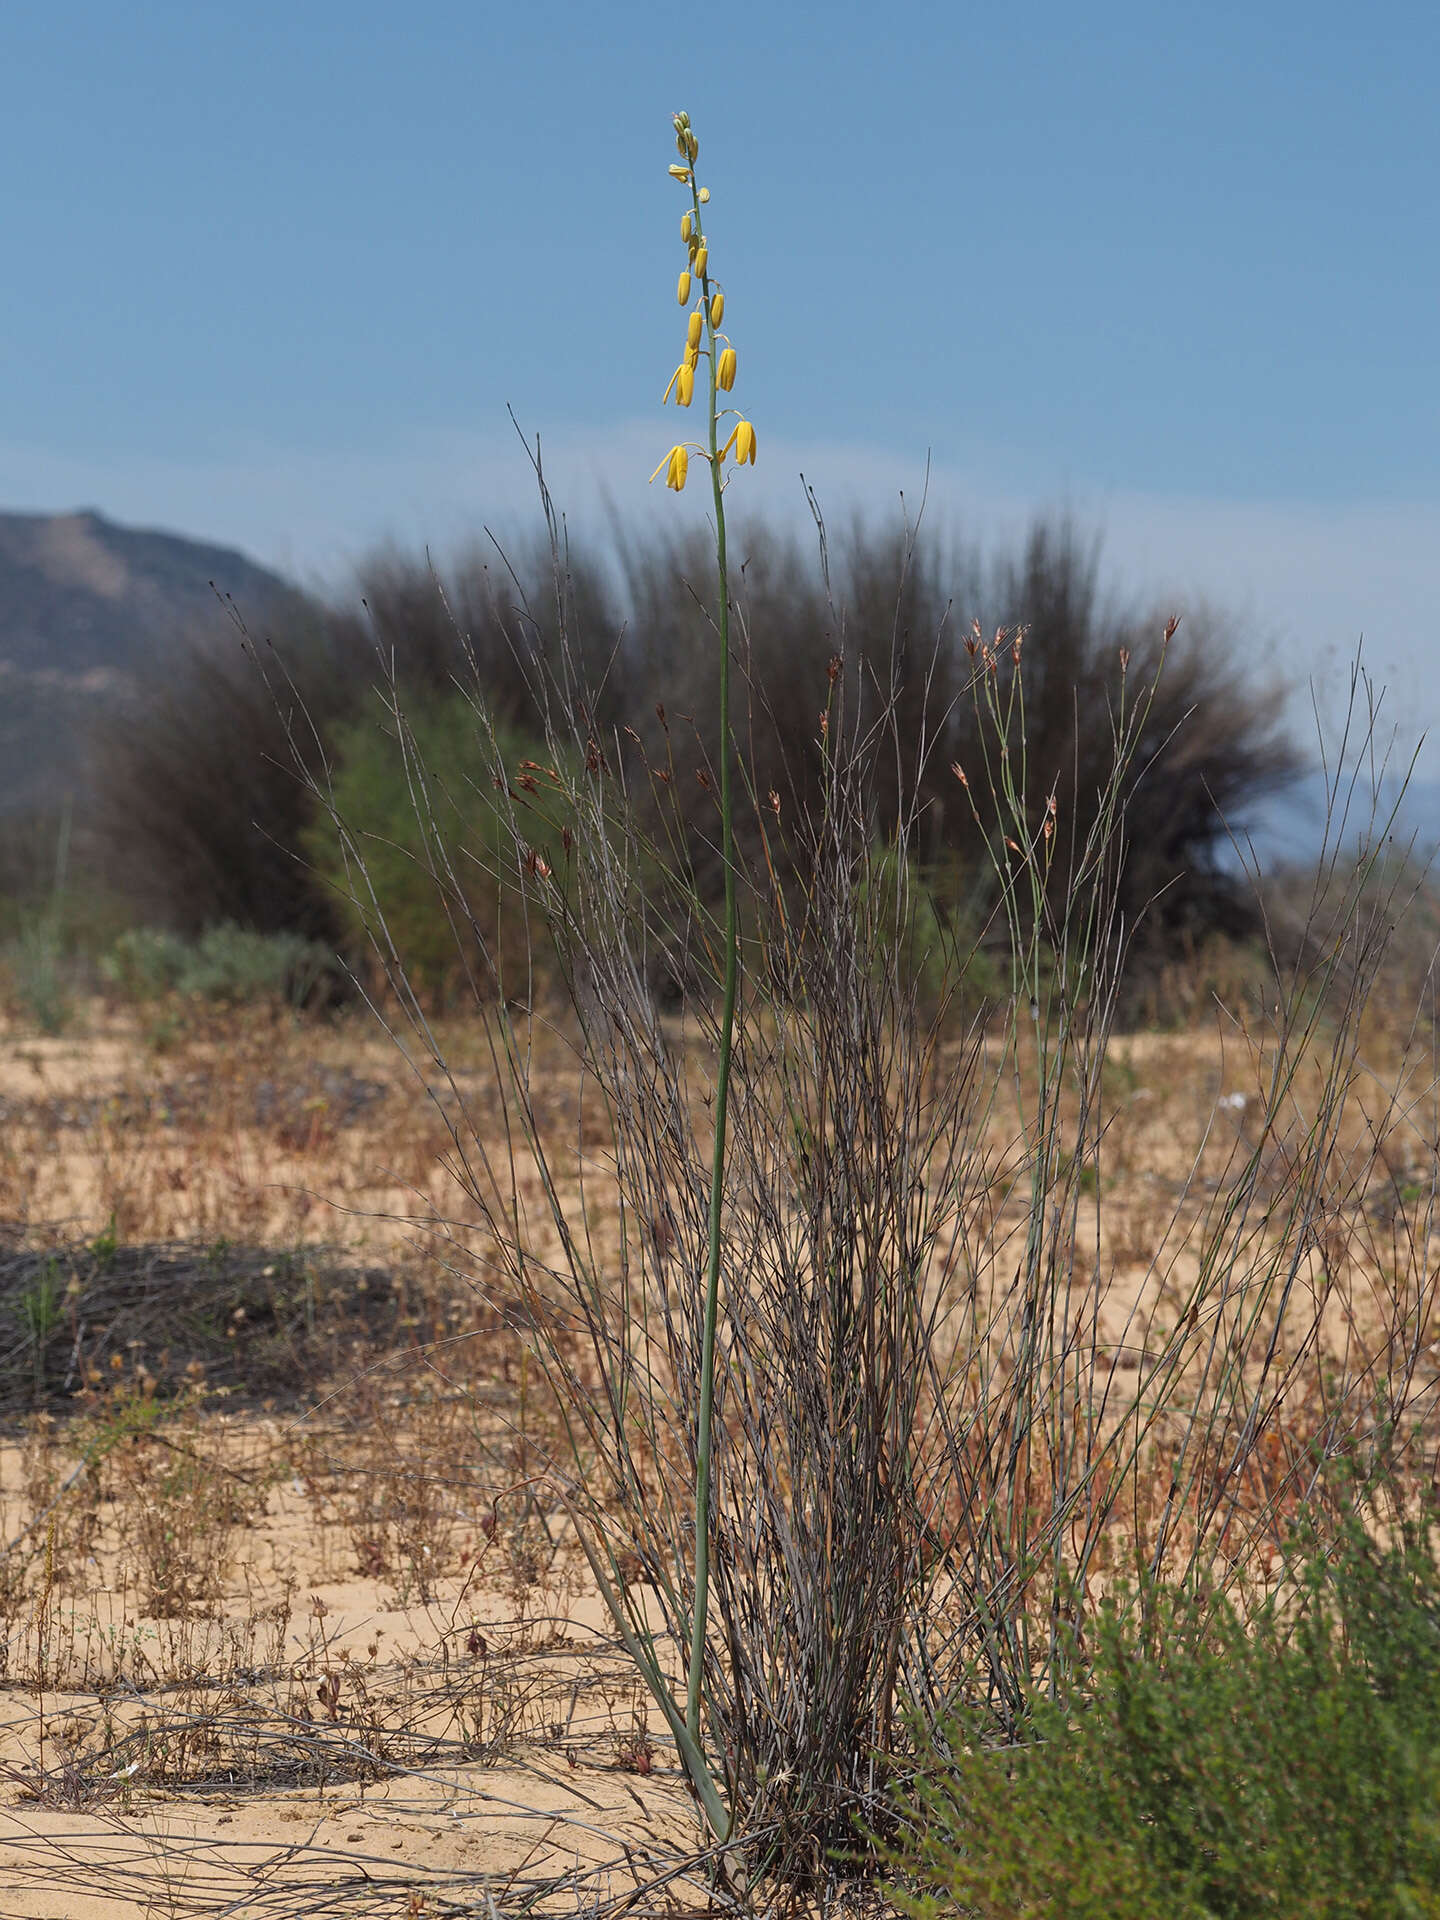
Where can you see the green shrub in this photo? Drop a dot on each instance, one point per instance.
(232, 964)
(39, 977)
(440, 884)
(227, 964)
(144, 963)
(926, 930)
(1210, 1768)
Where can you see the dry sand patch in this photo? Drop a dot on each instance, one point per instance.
(256, 1654)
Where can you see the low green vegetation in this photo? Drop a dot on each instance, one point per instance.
(227, 964)
(1206, 1765)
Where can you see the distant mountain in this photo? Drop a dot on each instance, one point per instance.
(83, 602)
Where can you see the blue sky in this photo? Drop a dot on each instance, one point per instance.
(273, 273)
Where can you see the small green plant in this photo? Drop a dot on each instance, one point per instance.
(37, 969)
(145, 964)
(226, 964)
(229, 963)
(41, 1312)
(105, 1246)
(38, 953)
(1208, 1767)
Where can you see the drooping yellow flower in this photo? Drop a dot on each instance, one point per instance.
(725, 372)
(717, 308)
(682, 381)
(702, 254)
(682, 290)
(692, 357)
(676, 467)
(744, 444)
(686, 226)
(692, 330)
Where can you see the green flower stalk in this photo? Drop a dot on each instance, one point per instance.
(701, 342)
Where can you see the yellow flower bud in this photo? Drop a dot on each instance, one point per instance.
(682, 290)
(702, 254)
(691, 146)
(725, 372)
(686, 226)
(717, 306)
(680, 173)
(704, 196)
(745, 444)
(692, 330)
(685, 386)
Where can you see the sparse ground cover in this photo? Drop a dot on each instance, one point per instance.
(294, 1618)
(277, 1553)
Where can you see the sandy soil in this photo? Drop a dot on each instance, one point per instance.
(375, 1679)
(512, 1730)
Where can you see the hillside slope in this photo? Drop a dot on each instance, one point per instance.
(82, 603)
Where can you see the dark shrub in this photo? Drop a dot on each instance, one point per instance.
(202, 805)
(203, 809)
(899, 614)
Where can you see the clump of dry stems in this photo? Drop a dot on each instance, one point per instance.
(951, 1397)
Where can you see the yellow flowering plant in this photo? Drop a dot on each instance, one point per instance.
(704, 341)
(708, 314)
